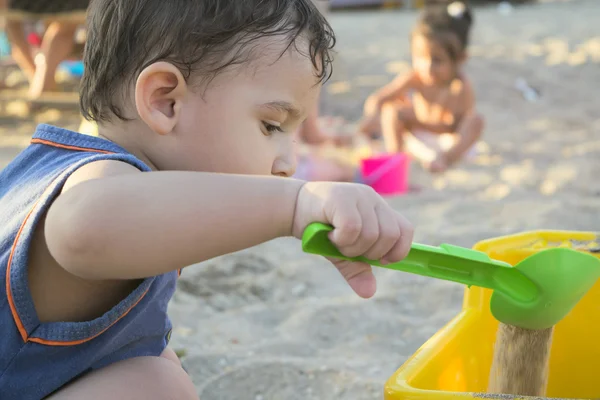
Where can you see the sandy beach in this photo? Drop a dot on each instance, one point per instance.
(274, 323)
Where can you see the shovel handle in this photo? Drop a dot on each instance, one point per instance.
(447, 262)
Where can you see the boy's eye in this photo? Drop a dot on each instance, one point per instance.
(272, 128)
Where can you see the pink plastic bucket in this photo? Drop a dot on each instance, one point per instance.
(387, 174)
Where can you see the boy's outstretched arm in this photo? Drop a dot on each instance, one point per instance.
(114, 222)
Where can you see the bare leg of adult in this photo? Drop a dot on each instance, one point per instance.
(20, 48)
(57, 44)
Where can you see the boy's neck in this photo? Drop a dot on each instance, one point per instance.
(129, 136)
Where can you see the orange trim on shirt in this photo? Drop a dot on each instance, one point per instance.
(9, 296)
(76, 342)
(11, 302)
(15, 314)
(64, 146)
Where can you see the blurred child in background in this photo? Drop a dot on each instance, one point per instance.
(430, 113)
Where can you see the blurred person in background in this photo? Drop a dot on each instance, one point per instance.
(61, 19)
(430, 113)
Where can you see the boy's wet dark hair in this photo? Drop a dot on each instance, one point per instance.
(449, 23)
(208, 36)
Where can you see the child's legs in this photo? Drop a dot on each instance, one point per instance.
(169, 354)
(398, 137)
(393, 126)
(423, 146)
(143, 378)
(468, 133)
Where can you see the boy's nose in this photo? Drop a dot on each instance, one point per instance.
(284, 168)
(285, 162)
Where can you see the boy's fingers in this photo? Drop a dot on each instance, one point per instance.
(368, 235)
(348, 226)
(402, 247)
(389, 234)
(359, 276)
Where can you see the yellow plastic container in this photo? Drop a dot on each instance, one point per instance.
(455, 362)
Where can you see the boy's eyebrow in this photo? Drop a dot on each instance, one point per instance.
(284, 106)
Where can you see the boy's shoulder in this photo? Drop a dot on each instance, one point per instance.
(53, 150)
(37, 175)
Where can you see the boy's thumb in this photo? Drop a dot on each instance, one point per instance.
(359, 276)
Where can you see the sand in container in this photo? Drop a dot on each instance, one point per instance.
(521, 361)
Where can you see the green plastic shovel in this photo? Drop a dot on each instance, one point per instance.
(535, 294)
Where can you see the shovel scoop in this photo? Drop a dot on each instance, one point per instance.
(536, 293)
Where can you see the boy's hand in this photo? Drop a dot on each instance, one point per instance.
(364, 225)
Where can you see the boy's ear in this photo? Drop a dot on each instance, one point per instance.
(160, 90)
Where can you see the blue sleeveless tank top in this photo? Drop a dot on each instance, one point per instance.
(37, 359)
